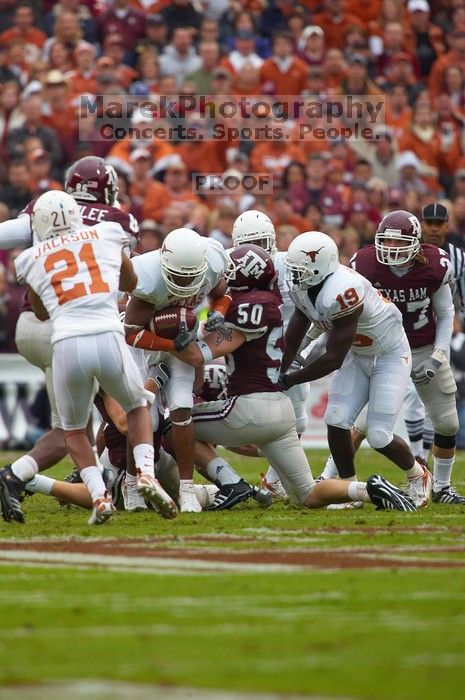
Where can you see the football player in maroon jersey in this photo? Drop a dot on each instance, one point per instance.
(416, 276)
(257, 412)
(93, 183)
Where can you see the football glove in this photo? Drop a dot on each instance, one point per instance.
(424, 372)
(215, 319)
(160, 374)
(183, 338)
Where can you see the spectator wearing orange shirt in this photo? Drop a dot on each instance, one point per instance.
(455, 56)
(179, 186)
(282, 73)
(58, 113)
(334, 22)
(23, 30)
(273, 156)
(282, 213)
(335, 69)
(141, 124)
(82, 79)
(423, 38)
(398, 111)
(243, 53)
(366, 11)
(147, 194)
(313, 45)
(422, 138)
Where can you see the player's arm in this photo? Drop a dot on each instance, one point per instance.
(219, 305)
(128, 277)
(443, 307)
(340, 340)
(298, 326)
(137, 317)
(15, 233)
(37, 305)
(115, 412)
(222, 341)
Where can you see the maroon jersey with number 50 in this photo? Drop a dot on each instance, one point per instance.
(410, 292)
(255, 365)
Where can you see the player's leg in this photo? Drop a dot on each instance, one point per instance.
(414, 409)
(119, 377)
(439, 398)
(348, 394)
(178, 392)
(428, 438)
(388, 384)
(357, 433)
(75, 494)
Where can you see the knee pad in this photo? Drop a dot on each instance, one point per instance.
(447, 425)
(445, 442)
(378, 438)
(336, 415)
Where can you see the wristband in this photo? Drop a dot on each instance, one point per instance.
(205, 350)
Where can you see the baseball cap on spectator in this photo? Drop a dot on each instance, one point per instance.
(55, 77)
(382, 131)
(84, 46)
(32, 88)
(418, 6)
(140, 116)
(140, 153)
(435, 212)
(310, 30)
(155, 18)
(176, 164)
(407, 159)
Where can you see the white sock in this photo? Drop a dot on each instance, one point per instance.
(25, 468)
(357, 491)
(185, 482)
(414, 472)
(330, 471)
(271, 475)
(144, 457)
(350, 478)
(40, 484)
(221, 472)
(130, 479)
(93, 480)
(442, 470)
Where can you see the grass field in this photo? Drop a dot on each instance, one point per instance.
(347, 604)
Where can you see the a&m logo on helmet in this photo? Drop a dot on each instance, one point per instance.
(252, 264)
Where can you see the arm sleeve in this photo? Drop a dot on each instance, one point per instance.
(15, 233)
(444, 310)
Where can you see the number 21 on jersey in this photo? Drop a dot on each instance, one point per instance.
(71, 268)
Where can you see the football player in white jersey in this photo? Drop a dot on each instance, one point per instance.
(73, 274)
(366, 345)
(255, 227)
(186, 270)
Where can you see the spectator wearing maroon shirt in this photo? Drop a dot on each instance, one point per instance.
(122, 19)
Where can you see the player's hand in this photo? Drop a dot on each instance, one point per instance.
(283, 382)
(183, 338)
(215, 319)
(424, 372)
(160, 374)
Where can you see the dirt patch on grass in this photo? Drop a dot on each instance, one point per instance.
(49, 551)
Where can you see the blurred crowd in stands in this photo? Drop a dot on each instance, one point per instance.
(410, 52)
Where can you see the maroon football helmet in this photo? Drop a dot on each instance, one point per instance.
(397, 238)
(91, 179)
(253, 268)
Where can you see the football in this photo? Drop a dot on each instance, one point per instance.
(167, 322)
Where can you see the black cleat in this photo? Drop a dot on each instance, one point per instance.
(262, 496)
(386, 496)
(230, 495)
(11, 491)
(449, 496)
(74, 477)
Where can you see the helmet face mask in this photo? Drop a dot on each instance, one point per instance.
(255, 227)
(54, 213)
(183, 262)
(397, 240)
(311, 258)
(91, 179)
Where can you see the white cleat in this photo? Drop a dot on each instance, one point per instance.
(133, 501)
(419, 489)
(205, 493)
(188, 501)
(151, 490)
(350, 505)
(274, 487)
(102, 510)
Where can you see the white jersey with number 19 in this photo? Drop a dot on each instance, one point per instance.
(77, 278)
(379, 327)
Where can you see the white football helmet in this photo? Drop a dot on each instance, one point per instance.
(311, 257)
(255, 227)
(54, 214)
(183, 259)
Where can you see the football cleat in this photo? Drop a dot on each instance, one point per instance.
(74, 477)
(188, 500)
(133, 501)
(274, 487)
(350, 505)
(151, 490)
(102, 510)
(230, 495)
(262, 496)
(386, 496)
(419, 489)
(449, 496)
(205, 493)
(11, 490)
